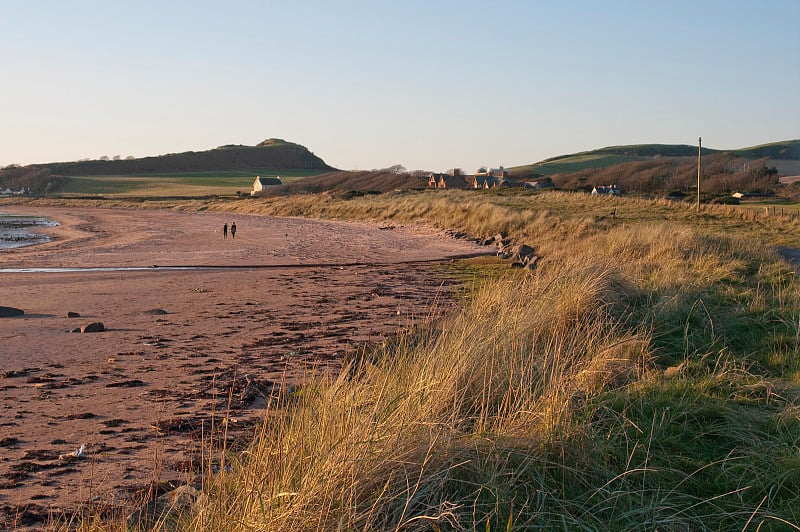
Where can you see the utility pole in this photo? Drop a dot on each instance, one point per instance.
(699, 144)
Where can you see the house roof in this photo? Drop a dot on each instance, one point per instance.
(541, 183)
(451, 181)
(454, 181)
(483, 181)
(267, 181)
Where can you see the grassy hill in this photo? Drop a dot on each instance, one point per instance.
(615, 155)
(237, 164)
(273, 154)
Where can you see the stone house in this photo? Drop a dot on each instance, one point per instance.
(451, 180)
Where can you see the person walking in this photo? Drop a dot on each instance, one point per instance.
(225, 230)
(233, 230)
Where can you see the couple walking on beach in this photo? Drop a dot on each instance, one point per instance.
(225, 230)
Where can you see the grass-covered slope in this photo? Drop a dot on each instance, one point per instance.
(615, 155)
(383, 180)
(645, 377)
(270, 154)
(184, 184)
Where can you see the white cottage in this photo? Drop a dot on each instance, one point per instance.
(261, 183)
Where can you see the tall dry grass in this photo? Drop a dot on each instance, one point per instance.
(567, 399)
(422, 431)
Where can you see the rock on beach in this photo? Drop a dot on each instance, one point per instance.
(93, 327)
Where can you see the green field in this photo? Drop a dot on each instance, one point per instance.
(574, 163)
(773, 205)
(186, 184)
(782, 154)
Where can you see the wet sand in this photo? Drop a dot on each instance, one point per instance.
(181, 346)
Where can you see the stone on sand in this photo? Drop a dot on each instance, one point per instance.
(95, 326)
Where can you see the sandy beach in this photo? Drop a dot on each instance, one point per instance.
(284, 298)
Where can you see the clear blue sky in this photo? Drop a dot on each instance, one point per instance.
(368, 84)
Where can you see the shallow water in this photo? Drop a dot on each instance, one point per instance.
(105, 269)
(16, 230)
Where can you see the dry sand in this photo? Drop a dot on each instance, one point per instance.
(141, 395)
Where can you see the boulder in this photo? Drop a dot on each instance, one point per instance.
(93, 327)
(168, 511)
(9, 312)
(521, 253)
(73, 315)
(155, 312)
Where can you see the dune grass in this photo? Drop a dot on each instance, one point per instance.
(644, 377)
(635, 385)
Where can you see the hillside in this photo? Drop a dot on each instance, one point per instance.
(271, 154)
(615, 155)
(722, 174)
(383, 180)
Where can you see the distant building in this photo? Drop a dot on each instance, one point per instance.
(21, 192)
(483, 178)
(745, 195)
(540, 184)
(453, 179)
(261, 183)
(484, 181)
(498, 173)
(609, 190)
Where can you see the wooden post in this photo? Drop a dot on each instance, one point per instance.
(699, 144)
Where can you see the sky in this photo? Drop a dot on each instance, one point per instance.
(427, 84)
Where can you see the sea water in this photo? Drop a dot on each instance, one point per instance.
(16, 230)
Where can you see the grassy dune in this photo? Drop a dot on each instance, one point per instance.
(645, 376)
(591, 397)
